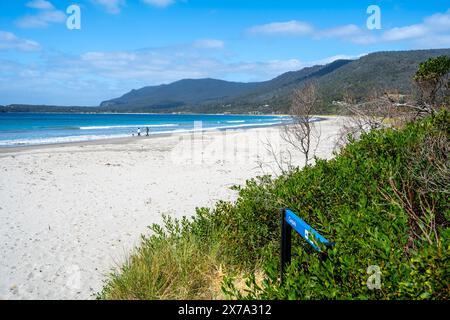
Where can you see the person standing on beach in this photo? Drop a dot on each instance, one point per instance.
(148, 130)
(139, 132)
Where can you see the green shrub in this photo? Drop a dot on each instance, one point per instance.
(355, 200)
(383, 201)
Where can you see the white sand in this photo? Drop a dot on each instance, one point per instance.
(71, 213)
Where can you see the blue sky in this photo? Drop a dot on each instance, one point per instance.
(126, 44)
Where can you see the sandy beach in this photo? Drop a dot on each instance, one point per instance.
(71, 213)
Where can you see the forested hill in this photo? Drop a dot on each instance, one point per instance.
(391, 71)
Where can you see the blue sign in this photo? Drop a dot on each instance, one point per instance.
(310, 235)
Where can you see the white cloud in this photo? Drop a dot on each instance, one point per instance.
(159, 3)
(436, 41)
(209, 44)
(111, 6)
(433, 31)
(340, 31)
(439, 21)
(115, 6)
(350, 32)
(9, 41)
(40, 4)
(403, 33)
(293, 28)
(41, 20)
(47, 14)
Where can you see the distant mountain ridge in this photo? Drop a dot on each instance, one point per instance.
(211, 93)
(186, 91)
(390, 70)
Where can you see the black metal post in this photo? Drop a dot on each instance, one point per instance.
(286, 233)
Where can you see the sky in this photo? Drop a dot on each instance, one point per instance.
(128, 44)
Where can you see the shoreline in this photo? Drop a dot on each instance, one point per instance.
(150, 113)
(118, 140)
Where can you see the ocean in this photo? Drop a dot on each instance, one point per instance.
(20, 129)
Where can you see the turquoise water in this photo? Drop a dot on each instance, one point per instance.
(44, 128)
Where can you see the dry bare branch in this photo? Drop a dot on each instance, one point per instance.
(303, 134)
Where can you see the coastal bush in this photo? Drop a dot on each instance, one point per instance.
(372, 202)
(433, 82)
(383, 201)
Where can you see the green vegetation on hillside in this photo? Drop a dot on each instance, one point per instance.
(360, 78)
(433, 82)
(383, 200)
(375, 72)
